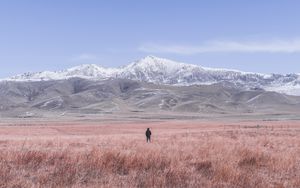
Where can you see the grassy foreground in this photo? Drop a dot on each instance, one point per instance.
(178, 157)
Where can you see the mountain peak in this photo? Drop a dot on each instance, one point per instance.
(158, 63)
(151, 57)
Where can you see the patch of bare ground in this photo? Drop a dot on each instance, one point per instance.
(182, 154)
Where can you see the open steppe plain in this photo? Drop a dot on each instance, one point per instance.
(91, 152)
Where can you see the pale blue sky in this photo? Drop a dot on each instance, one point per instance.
(256, 35)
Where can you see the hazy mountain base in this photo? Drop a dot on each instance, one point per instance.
(132, 100)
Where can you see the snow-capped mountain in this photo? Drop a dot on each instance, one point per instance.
(163, 71)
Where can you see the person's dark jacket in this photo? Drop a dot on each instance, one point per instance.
(148, 133)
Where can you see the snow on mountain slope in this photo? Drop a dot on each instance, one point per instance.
(158, 70)
(163, 71)
(87, 71)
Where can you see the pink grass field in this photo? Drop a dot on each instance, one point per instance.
(182, 154)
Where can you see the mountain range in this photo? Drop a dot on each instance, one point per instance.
(157, 70)
(150, 85)
(118, 96)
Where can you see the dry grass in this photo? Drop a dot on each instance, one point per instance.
(181, 155)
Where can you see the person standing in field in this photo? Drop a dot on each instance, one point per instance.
(148, 135)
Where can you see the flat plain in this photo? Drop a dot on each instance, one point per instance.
(183, 153)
